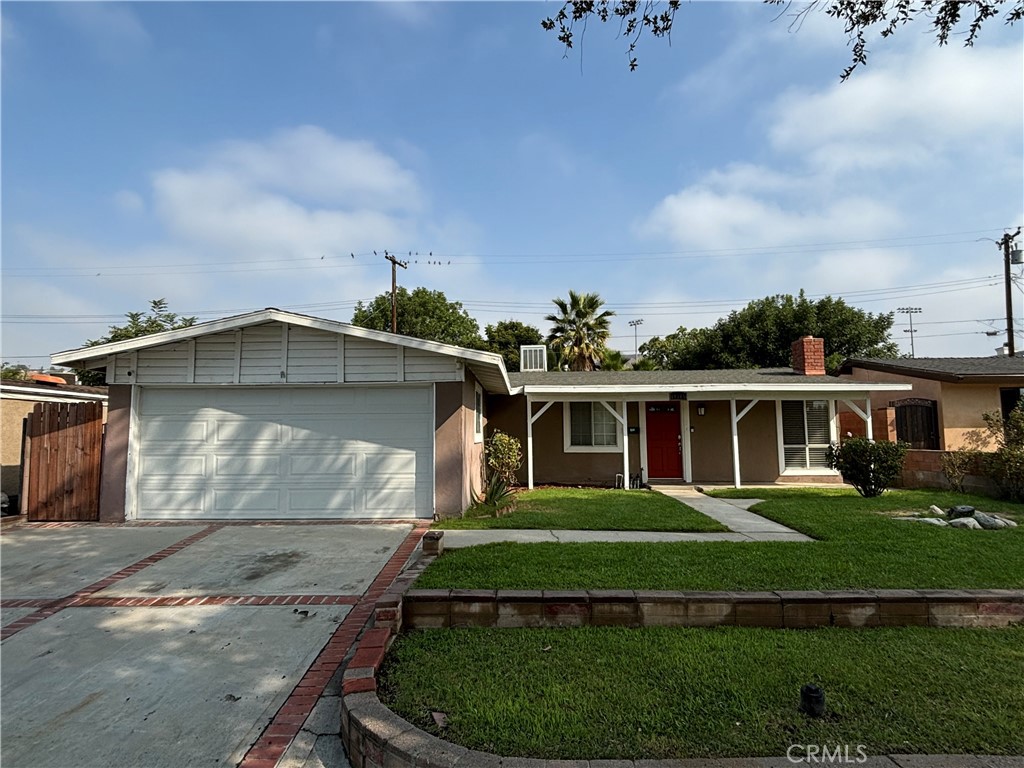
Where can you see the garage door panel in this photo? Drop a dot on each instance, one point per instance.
(173, 430)
(248, 431)
(229, 501)
(173, 503)
(182, 466)
(323, 500)
(392, 463)
(247, 466)
(266, 453)
(340, 465)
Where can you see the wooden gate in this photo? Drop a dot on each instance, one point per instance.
(61, 461)
(917, 423)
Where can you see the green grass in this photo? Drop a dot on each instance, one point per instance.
(676, 693)
(857, 548)
(590, 509)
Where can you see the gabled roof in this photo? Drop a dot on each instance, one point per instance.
(725, 381)
(488, 367)
(981, 370)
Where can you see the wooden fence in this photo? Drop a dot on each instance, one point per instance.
(61, 461)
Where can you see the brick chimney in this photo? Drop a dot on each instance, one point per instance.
(809, 356)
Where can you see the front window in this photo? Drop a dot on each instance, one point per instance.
(806, 433)
(591, 425)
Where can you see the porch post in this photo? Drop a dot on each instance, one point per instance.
(735, 443)
(867, 419)
(529, 442)
(625, 446)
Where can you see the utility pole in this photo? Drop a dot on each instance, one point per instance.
(910, 312)
(636, 348)
(1006, 243)
(394, 288)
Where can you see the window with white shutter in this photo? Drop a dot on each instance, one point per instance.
(806, 433)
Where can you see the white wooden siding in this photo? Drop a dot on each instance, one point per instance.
(370, 361)
(266, 354)
(312, 355)
(215, 358)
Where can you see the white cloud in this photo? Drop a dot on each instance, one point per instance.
(114, 29)
(412, 14)
(302, 192)
(128, 201)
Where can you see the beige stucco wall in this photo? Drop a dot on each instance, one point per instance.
(962, 406)
(551, 465)
(12, 414)
(458, 458)
(114, 469)
(711, 443)
(959, 406)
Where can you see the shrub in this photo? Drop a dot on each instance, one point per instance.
(497, 496)
(504, 456)
(958, 464)
(868, 466)
(1005, 465)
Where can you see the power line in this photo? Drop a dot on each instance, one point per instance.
(350, 259)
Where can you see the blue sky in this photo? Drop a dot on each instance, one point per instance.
(234, 156)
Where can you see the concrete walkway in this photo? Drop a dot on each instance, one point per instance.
(743, 525)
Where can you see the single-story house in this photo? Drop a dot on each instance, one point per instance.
(948, 395)
(17, 399)
(273, 414)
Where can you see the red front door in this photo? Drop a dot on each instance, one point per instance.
(664, 441)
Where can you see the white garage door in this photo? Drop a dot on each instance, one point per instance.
(295, 452)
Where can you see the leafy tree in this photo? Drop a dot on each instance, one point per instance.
(860, 20)
(761, 334)
(1005, 465)
(613, 360)
(580, 331)
(157, 319)
(17, 372)
(507, 336)
(423, 314)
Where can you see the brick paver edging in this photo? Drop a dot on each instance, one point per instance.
(54, 606)
(440, 608)
(287, 722)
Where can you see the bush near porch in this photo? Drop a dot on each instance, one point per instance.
(857, 548)
(588, 509)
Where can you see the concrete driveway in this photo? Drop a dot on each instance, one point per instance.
(178, 645)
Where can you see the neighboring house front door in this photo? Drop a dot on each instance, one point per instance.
(664, 440)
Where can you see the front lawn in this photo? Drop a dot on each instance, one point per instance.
(590, 509)
(857, 548)
(675, 693)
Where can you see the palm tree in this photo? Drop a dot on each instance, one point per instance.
(579, 331)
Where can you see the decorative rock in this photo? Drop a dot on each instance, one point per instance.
(961, 510)
(1010, 523)
(936, 511)
(965, 522)
(929, 520)
(988, 522)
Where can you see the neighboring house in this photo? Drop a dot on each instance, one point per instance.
(272, 414)
(948, 394)
(723, 426)
(278, 415)
(17, 399)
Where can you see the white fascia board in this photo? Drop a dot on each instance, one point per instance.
(84, 354)
(632, 391)
(27, 393)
